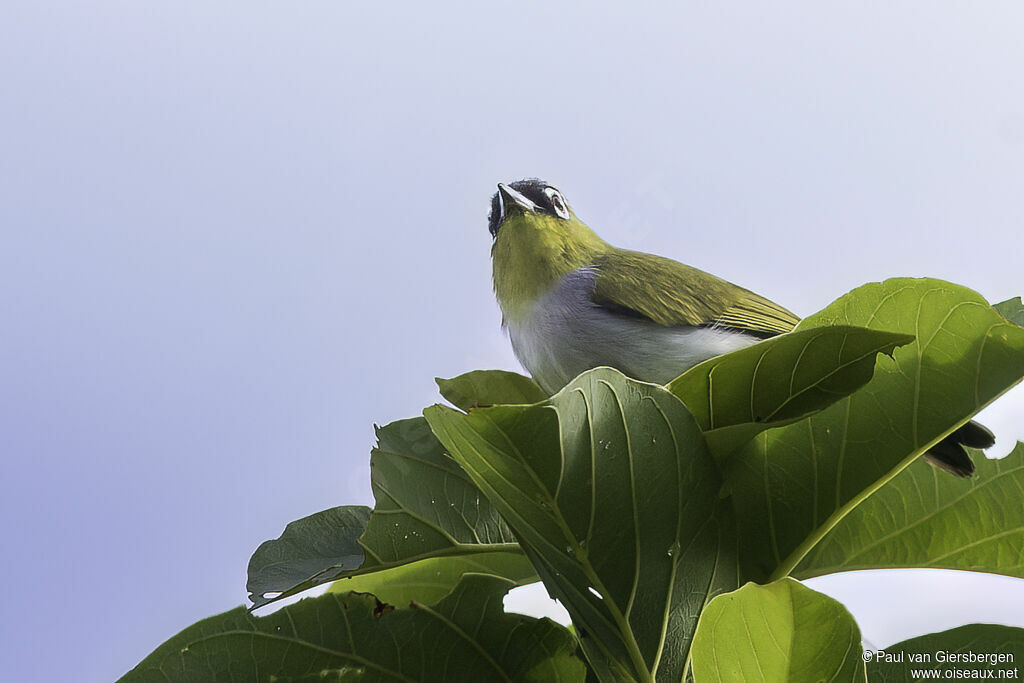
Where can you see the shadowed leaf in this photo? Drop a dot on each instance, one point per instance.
(464, 637)
(960, 648)
(314, 550)
(778, 381)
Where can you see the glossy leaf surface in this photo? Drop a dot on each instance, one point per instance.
(613, 495)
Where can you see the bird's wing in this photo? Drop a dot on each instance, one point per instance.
(670, 293)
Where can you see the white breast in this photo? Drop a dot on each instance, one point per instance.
(566, 334)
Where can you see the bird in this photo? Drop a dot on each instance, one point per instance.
(571, 301)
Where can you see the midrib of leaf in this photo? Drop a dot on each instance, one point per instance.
(458, 550)
(786, 567)
(939, 508)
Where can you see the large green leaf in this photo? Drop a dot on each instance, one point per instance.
(791, 485)
(612, 493)
(489, 387)
(967, 652)
(925, 518)
(783, 631)
(781, 380)
(464, 637)
(426, 507)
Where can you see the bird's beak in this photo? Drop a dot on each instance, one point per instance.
(511, 200)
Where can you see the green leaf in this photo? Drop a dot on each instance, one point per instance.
(793, 484)
(1012, 310)
(778, 381)
(783, 631)
(1001, 649)
(613, 495)
(426, 507)
(464, 637)
(431, 579)
(314, 550)
(924, 518)
(489, 387)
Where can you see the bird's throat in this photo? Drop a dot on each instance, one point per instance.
(531, 255)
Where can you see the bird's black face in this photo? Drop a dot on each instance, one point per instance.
(531, 194)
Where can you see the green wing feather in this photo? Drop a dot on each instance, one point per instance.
(671, 294)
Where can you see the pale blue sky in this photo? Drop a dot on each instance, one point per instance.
(235, 235)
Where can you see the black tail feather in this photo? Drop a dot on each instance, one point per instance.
(975, 435)
(951, 455)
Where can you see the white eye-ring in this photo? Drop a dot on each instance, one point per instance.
(557, 203)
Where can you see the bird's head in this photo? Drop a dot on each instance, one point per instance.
(537, 241)
(532, 203)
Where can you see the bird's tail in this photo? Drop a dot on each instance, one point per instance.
(951, 455)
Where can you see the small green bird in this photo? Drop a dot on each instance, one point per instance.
(572, 302)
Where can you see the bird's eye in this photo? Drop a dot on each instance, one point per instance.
(557, 203)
